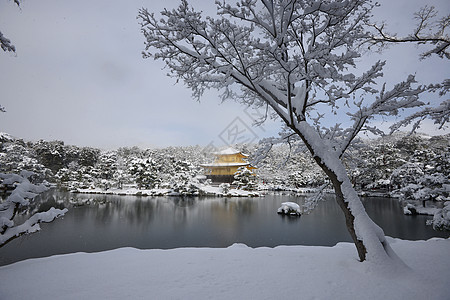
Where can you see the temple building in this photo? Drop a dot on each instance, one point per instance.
(226, 164)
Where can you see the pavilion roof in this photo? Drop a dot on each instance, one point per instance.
(229, 151)
(233, 164)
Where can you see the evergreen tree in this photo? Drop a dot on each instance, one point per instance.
(244, 179)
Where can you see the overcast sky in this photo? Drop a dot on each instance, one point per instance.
(78, 76)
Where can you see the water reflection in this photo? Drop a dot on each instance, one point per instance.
(102, 222)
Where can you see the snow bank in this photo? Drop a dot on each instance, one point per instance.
(237, 272)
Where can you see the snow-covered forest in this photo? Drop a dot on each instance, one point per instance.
(414, 168)
(411, 166)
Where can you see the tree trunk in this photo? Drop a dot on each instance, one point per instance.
(349, 218)
(368, 237)
(344, 205)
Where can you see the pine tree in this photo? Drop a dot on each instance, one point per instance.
(244, 179)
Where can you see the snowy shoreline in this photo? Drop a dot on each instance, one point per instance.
(236, 272)
(202, 190)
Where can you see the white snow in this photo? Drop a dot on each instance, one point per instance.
(20, 197)
(300, 96)
(441, 218)
(290, 208)
(218, 190)
(237, 272)
(228, 151)
(203, 189)
(411, 209)
(407, 209)
(225, 164)
(32, 224)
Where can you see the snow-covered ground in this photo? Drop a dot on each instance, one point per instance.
(237, 272)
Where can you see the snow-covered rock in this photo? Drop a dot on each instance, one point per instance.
(419, 209)
(289, 208)
(409, 209)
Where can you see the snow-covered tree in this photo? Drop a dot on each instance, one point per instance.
(225, 188)
(300, 58)
(17, 155)
(106, 164)
(88, 156)
(375, 163)
(182, 180)
(244, 179)
(431, 30)
(284, 166)
(51, 154)
(425, 171)
(19, 200)
(5, 43)
(144, 172)
(441, 219)
(7, 46)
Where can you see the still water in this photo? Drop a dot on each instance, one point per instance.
(111, 222)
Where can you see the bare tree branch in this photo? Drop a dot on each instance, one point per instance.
(429, 31)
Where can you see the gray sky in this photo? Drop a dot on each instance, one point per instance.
(78, 76)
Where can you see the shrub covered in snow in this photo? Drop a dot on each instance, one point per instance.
(244, 179)
(441, 219)
(225, 188)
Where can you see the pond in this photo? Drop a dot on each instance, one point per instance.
(111, 222)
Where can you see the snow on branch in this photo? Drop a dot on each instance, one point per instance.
(254, 43)
(429, 30)
(312, 201)
(20, 197)
(440, 115)
(202, 58)
(403, 95)
(5, 44)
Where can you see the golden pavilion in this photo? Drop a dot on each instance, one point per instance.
(226, 164)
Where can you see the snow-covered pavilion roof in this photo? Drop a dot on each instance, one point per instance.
(234, 164)
(229, 151)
